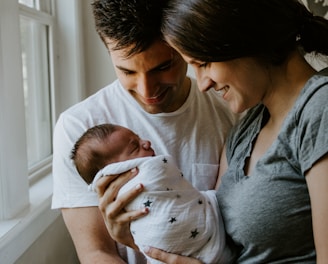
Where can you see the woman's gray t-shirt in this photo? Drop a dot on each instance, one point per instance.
(267, 215)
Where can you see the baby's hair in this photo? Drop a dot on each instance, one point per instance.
(86, 155)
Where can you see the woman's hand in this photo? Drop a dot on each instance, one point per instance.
(116, 218)
(169, 258)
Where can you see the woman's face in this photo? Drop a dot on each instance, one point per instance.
(242, 82)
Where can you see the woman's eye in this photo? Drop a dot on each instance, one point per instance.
(203, 65)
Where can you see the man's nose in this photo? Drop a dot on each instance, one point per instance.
(145, 86)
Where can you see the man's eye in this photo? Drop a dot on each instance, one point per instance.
(127, 72)
(165, 67)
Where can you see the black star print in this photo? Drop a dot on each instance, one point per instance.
(148, 203)
(165, 160)
(172, 220)
(194, 233)
(200, 202)
(181, 174)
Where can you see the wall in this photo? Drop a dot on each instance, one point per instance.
(53, 246)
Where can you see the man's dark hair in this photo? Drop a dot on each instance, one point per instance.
(129, 23)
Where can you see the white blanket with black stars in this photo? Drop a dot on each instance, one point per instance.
(181, 219)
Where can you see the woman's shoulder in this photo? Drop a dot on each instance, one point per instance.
(314, 96)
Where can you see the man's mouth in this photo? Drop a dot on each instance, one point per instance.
(157, 98)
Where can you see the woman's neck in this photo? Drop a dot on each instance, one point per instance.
(287, 82)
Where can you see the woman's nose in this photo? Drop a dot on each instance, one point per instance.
(204, 82)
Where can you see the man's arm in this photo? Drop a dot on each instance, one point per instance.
(90, 236)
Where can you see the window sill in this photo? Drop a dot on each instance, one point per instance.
(18, 234)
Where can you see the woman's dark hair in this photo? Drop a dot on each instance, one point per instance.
(220, 30)
(130, 23)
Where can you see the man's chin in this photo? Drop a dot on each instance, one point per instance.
(152, 109)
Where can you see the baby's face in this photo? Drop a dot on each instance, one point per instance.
(125, 145)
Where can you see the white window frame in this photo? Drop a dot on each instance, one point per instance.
(25, 206)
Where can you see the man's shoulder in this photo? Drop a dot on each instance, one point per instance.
(110, 93)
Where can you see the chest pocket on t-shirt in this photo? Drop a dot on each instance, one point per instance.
(204, 176)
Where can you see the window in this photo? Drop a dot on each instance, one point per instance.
(36, 31)
(41, 74)
(26, 85)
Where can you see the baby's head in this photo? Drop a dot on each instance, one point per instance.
(105, 144)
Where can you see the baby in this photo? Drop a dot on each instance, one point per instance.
(174, 222)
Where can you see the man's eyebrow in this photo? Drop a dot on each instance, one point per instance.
(158, 67)
(163, 64)
(123, 69)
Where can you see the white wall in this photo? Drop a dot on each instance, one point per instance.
(54, 246)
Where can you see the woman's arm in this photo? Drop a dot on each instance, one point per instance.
(317, 180)
(223, 166)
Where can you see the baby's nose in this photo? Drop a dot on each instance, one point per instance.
(146, 144)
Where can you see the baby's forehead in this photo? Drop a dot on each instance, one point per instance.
(125, 132)
(122, 135)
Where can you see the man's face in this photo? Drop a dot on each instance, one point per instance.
(156, 77)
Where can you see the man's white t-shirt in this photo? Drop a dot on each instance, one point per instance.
(194, 135)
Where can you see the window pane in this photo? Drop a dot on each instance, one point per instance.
(29, 3)
(34, 38)
(42, 5)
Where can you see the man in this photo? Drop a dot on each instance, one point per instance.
(153, 97)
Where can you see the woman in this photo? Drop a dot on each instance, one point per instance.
(274, 189)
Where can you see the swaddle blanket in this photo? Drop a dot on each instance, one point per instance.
(181, 219)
